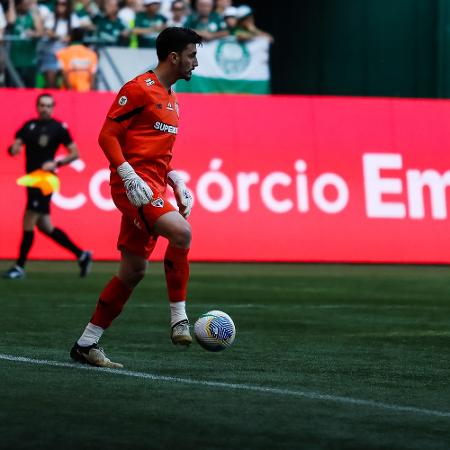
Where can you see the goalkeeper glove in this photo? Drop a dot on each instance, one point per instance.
(182, 193)
(138, 191)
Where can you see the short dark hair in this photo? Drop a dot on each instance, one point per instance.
(77, 34)
(45, 94)
(175, 39)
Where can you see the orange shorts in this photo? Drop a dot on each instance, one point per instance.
(136, 229)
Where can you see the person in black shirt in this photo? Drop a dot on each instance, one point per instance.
(42, 138)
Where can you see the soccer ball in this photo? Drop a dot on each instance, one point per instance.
(215, 331)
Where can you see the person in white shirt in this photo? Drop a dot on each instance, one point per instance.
(179, 13)
(127, 14)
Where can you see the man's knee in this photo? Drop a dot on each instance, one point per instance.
(182, 236)
(44, 228)
(132, 278)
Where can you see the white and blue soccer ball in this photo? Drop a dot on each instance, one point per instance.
(215, 331)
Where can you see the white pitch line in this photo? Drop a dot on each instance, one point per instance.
(235, 386)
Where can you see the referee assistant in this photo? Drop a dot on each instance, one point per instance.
(42, 138)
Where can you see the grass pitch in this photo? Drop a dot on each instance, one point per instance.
(326, 357)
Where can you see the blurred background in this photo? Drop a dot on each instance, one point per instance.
(322, 123)
(351, 47)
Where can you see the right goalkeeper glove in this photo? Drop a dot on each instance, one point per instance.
(138, 191)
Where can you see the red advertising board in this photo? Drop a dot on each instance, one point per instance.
(274, 178)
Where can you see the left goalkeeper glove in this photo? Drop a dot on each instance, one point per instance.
(183, 195)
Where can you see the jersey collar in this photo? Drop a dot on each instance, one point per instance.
(157, 79)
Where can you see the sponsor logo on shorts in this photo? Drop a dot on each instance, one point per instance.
(158, 202)
(165, 128)
(123, 100)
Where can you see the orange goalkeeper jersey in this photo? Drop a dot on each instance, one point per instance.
(149, 114)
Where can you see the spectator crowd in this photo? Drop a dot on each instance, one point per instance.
(53, 43)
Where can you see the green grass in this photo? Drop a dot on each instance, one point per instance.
(373, 333)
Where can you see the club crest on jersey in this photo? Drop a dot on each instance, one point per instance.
(158, 202)
(43, 140)
(149, 82)
(123, 100)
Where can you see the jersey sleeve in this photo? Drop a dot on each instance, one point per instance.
(130, 101)
(22, 132)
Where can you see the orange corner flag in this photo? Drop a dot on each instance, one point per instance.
(46, 181)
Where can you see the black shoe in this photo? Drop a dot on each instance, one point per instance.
(85, 263)
(92, 355)
(15, 273)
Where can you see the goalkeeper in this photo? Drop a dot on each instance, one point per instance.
(137, 138)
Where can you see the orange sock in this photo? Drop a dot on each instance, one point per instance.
(111, 302)
(176, 267)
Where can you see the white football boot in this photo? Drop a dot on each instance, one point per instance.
(93, 355)
(181, 334)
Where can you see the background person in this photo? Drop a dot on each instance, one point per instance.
(178, 16)
(230, 18)
(25, 25)
(111, 31)
(78, 63)
(127, 14)
(149, 23)
(87, 12)
(246, 29)
(57, 28)
(206, 22)
(42, 138)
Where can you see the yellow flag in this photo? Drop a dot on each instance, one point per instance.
(46, 181)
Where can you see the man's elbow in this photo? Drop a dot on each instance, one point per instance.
(111, 132)
(103, 137)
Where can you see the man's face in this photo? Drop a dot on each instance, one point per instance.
(24, 6)
(111, 7)
(222, 4)
(187, 62)
(153, 8)
(204, 7)
(45, 108)
(231, 21)
(178, 10)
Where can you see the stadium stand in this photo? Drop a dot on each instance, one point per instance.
(33, 34)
